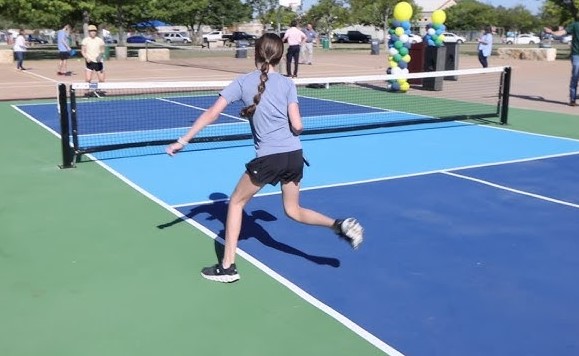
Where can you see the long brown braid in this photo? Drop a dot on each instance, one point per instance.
(268, 51)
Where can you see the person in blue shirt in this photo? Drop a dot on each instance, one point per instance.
(485, 46)
(63, 43)
(573, 29)
(271, 107)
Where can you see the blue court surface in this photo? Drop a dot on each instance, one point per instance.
(471, 230)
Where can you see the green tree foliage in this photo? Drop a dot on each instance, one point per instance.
(280, 15)
(558, 12)
(264, 10)
(327, 15)
(377, 12)
(469, 15)
(517, 19)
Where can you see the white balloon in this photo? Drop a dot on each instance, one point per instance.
(396, 70)
(431, 31)
(404, 38)
(393, 51)
(405, 71)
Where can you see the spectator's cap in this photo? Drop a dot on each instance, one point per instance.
(92, 28)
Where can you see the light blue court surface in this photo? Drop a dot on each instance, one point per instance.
(471, 232)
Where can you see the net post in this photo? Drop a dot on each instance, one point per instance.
(67, 151)
(506, 95)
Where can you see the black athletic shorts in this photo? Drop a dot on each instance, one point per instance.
(63, 55)
(96, 66)
(279, 167)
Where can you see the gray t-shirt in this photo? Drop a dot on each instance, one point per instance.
(270, 123)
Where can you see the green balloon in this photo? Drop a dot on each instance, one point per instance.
(403, 51)
(398, 44)
(397, 57)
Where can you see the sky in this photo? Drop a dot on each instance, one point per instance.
(532, 5)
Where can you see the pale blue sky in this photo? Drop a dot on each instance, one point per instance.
(532, 5)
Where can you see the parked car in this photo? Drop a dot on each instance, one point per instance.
(522, 39)
(110, 40)
(566, 39)
(213, 36)
(240, 36)
(140, 39)
(176, 37)
(450, 37)
(340, 38)
(35, 39)
(412, 38)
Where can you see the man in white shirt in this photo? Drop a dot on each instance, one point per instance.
(19, 49)
(294, 37)
(93, 49)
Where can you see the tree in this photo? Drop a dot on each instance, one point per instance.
(516, 19)
(470, 14)
(559, 12)
(377, 12)
(326, 15)
(264, 10)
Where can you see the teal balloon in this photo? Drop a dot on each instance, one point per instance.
(397, 57)
(398, 44)
(403, 51)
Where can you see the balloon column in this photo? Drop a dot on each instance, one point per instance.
(434, 36)
(399, 45)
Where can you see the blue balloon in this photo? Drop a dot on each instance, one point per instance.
(408, 45)
(439, 31)
(394, 38)
(396, 23)
(395, 86)
(442, 28)
(402, 64)
(405, 25)
(430, 42)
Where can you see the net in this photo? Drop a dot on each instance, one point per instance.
(115, 116)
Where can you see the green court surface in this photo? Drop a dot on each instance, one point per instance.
(84, 269)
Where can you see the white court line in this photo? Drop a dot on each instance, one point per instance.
(499, 186)
(282, 280)
(41, 76)
(409, 175)
(200, 108)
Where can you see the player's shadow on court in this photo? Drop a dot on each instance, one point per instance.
(250, 227)
(539, 98)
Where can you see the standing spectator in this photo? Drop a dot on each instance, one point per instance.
(63, 42)
(485, 46)
(93, 50)
(19, 48)
(308, 46)
(572, 29)
(294, 37)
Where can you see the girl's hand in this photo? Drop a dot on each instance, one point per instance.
(173, 148)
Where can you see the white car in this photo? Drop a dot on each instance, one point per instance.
(566, 39)
(522, 39)
(450, 37)
(176, 37)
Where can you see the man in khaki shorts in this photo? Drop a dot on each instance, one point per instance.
(93, 49)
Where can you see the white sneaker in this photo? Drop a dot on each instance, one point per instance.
(351, 231)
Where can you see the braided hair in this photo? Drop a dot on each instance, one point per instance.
(268, 51)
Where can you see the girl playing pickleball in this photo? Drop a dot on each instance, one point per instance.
(271, 106)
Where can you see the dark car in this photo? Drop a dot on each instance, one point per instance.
(358, 37)
(140, 39)
(340, 38)
(35, 39)
(240, 36)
